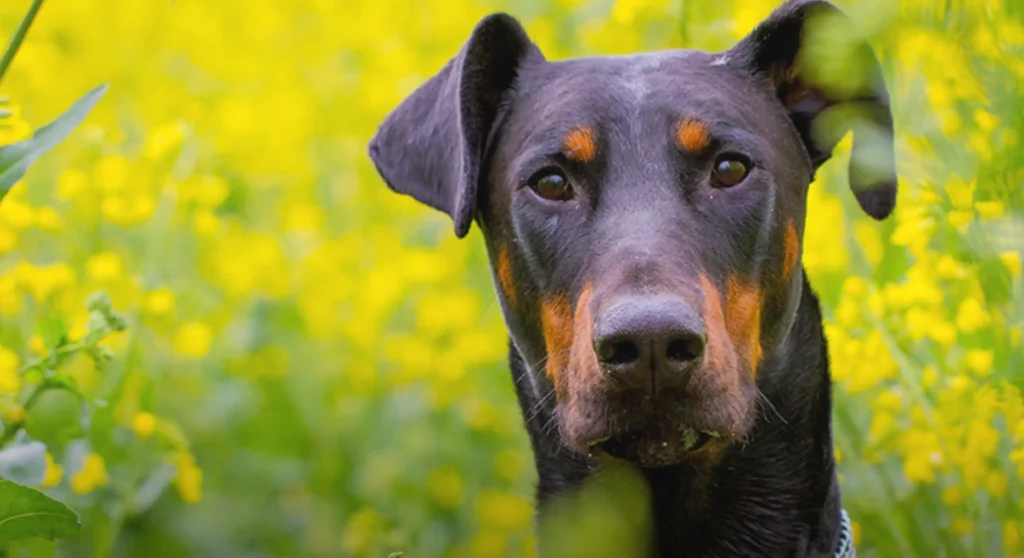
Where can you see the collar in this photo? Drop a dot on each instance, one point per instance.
(844, 549)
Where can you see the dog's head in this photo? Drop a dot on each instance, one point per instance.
(644, 214)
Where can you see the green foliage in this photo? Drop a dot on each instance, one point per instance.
(27, 513)
(16, 158)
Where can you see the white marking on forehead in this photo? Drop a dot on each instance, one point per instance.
(720, 60)
(635, 79)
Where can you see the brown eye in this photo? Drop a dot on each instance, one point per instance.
(552, 186)
(730, 170)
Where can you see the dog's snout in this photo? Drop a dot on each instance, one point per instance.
(649, 342)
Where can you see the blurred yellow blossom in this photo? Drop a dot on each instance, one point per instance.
(189, 478)
(37, 345)
(503, 510)
(143, 424)
(446, 487)
(104, 266)
(10, 382)
(980, 361)
(160, 302)
(971, 316)
(1012, 262)
(12, 413)
(990, 209)
(54, 473)
(91, 476)
(193, 339)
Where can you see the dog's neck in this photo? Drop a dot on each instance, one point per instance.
(776, 495)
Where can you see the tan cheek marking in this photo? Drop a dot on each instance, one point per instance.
(579, 144)
(505, 276)
(714, 320)
(693, 135)
(743, 318)
(582, 359)
(556, 324)
(792, 251)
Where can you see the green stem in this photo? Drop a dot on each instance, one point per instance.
(12, 430)
(19, 36)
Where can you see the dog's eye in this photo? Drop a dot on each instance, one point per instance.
(730, 169)
(552, 185)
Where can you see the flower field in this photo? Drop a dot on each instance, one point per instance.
(293, 361)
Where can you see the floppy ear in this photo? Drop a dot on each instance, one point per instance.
(431, 146)
(830, 82)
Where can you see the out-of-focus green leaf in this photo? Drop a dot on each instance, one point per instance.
(15, 159)
(26, 513)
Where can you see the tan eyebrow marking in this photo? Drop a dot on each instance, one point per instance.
(579, 145)
(693, 135)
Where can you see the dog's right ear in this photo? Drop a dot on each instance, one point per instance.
(431, 146)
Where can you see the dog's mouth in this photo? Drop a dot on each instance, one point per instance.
(660, 449)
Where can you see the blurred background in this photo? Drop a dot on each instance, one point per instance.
(314, 366)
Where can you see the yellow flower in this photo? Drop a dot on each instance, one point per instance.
(10, 382)
(971, 315)
(1012, 262)
(1011, 537)
(36, 345)
(943, 333)
(8, 240)
(996, 483)
(980, 362)
(49, 220)
(959, 218)
(193, 339)
(16, 214)
(504, 510)
(189, 479)
(881, 425)
(143, 424)
(961, 526)
(91, 476)
(990, 209)
(960, 193)
(889, 401)
(446, 487)
(160, 302)
(105, 266)
(855, 287)
(54, 473)
(12, 413)
(70, 183)
(508, 464)
(952, 495)
(949, 268)
(929, 376)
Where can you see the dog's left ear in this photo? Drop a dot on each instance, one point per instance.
(830, 82)
(432, 145)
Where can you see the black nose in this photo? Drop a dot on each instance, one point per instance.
(649, 342)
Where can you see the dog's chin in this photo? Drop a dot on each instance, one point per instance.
(665, 448)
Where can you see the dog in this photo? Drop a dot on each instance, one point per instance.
(643, 217)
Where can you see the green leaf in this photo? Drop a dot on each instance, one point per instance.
(16, 158)
(26, 513)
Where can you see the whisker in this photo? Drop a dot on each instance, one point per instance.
(762, 397)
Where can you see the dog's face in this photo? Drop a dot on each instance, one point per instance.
(643, 215)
